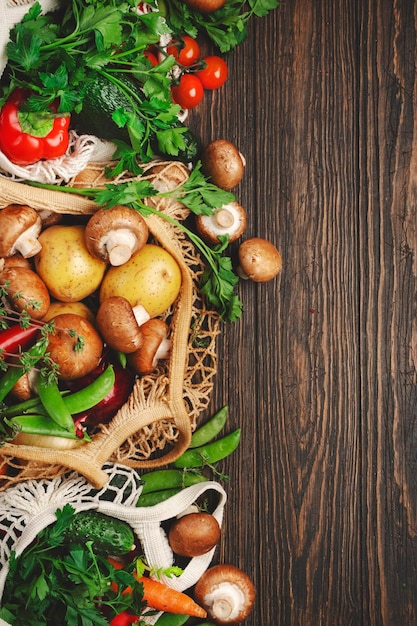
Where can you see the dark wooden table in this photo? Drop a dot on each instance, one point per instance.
(320, 373)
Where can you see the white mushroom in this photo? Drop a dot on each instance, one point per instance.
(115, 234)
(227, 594)
(230, 220)
(20, 226)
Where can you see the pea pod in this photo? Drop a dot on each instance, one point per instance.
(171, 619)
(76, 402)
(53, 402)
(92, 394)
(27, 361)
(155, 497)
(210, 453)
(210, 429)
(169, 479)
(42, 425)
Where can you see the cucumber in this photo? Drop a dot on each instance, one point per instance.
(101, 99)
(108, 535)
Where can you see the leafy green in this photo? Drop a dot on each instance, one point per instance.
(57, 584)
(57, 55)
(226, 27)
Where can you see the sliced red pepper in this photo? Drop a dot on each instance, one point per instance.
(15, 339)
(26, 138)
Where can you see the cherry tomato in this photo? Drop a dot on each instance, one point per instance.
(214, 75)
(124, 619)
(189, 92)
(151, 57)
(185, 51)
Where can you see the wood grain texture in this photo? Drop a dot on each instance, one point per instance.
(321, 371)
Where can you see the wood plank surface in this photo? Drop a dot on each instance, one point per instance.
(320, 373)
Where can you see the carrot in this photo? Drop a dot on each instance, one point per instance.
(162, 598)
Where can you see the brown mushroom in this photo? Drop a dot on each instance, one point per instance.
(22, 389)
(17, 260)
(115, 234)
(226, 592)
(194, 534)
(118, 325)
(230, 220)
(20, 226)
(155, 345)
(26, 291)
(74, 345)
(259, 260)
(222, 162)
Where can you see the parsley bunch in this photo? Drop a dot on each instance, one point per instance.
(57, 56)
(226, 27)
(53, 583)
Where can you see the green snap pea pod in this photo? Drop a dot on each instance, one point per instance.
(210, 453)
(210, 429)
(169, 479)
(42, 425)
(171, 619)
(53, 402)
(76, 402)
(155, 497)
(92, 394)
(33, 405)
(14, 372)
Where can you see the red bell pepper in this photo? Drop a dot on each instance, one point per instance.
(16, 338)
(28, 137)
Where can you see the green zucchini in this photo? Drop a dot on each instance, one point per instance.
(108, 535)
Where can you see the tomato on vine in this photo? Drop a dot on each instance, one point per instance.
(189, 91)
(185, 50)
(151, 56)
(214, 73)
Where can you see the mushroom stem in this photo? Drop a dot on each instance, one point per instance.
(27, 244)
(224, 218)
(162, 352)
(225, 602)
(120, 244)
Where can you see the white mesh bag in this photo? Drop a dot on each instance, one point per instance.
(29, 507)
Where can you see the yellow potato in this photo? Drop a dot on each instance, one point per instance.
(69, 271)
(151, 278)
(56, 308)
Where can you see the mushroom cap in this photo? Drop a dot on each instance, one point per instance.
(259, 260)
(226, 592)
(75, 346)
(194, 534)
(153, 334)
(117, 324)
(20, 226)
(115, 234)
(230, 220)
(26, 291)
(222, 162)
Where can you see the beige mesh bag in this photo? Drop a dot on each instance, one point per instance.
(154, 426)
